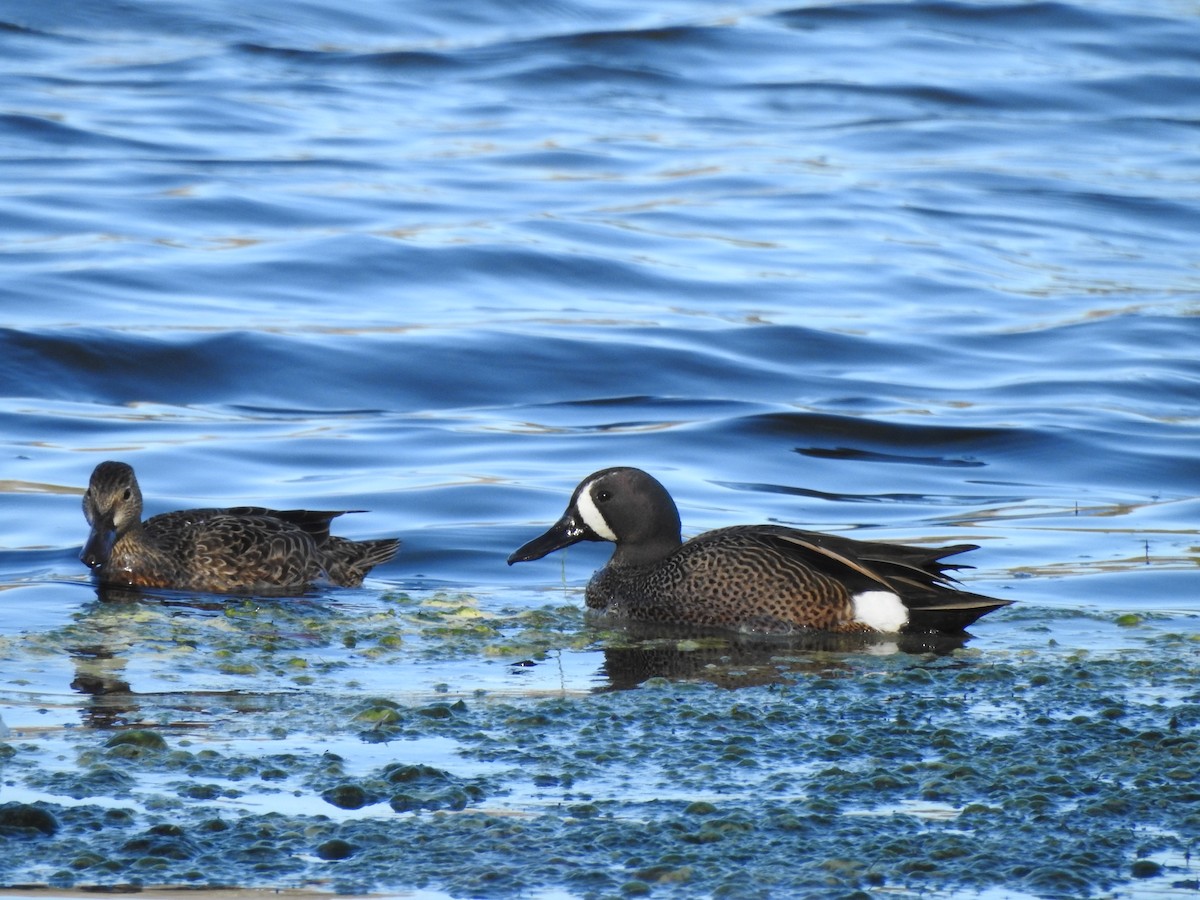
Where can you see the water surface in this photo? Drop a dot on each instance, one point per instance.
(910, 271)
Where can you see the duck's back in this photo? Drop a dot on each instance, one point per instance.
(768, 578)
(222, 550)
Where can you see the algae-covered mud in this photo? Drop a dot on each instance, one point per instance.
(382, 743)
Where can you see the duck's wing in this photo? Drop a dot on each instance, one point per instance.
(916, 574)
(245, 548)
(892, 566)
(259, 550)
(313, 521)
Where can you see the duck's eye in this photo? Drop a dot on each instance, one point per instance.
(603, 496)
(128, 493)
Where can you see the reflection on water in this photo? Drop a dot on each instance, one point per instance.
(742, 661)
(133, 658)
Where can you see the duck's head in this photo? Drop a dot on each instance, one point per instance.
(623, 505)
(112, 505)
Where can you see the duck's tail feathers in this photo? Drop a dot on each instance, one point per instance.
(949, 611)
(348, 562)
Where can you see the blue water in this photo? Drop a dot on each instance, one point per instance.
(912, 271)
(919, 271)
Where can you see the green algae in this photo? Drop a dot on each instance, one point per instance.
(1003, 784)
(827, 771)
(336, 848)
(136, 740)
(26, 820)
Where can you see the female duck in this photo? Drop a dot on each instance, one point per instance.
(238, 550)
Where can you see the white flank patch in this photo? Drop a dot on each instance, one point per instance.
(881, 610)
(592, 517)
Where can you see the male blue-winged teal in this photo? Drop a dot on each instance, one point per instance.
(757, 578)
(238, 550)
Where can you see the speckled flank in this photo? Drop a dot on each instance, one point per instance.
(241, 549)
(728, 577)
(759, 578)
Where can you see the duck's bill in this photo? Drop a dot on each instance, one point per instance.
(98, 548)
(563, 533)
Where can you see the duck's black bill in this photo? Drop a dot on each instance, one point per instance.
(98, 548)
(563, 533)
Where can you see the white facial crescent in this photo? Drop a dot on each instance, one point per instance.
(592, 517)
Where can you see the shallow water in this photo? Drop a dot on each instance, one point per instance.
(912, 271)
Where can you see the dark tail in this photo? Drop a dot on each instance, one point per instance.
(348, 562)
(948, 611)
(920, 564)
(930, 592)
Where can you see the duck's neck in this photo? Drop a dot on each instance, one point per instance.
(645, 552)
(137, 548)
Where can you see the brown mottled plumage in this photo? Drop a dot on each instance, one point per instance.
(759, 578)
(237, 550)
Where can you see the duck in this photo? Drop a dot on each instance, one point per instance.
(768, 579)
(242, 549)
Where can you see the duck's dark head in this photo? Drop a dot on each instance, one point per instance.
(112, 505)
(623, 505)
